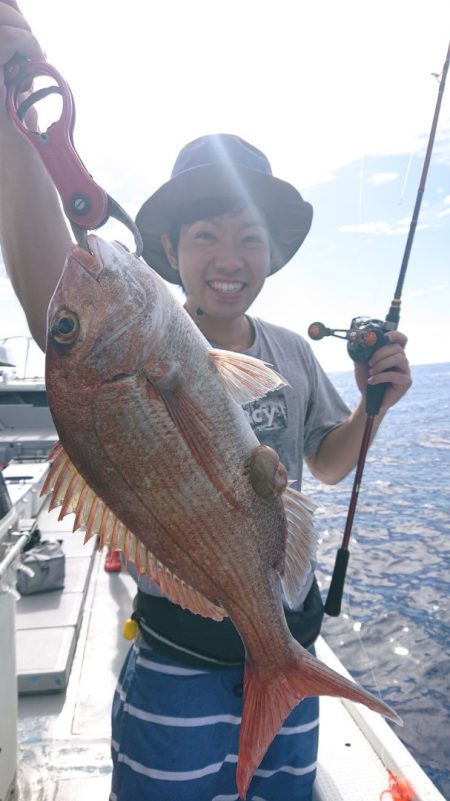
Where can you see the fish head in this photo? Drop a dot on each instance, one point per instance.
(106, 317)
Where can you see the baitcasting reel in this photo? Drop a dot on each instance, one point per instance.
(364, 336)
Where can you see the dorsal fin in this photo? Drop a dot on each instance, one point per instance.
(71, 492)
(301, 542)
(245, 377)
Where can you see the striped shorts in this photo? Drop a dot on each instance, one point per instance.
(175, 736)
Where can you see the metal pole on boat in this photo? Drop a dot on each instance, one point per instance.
(375, 394)
(14, 553)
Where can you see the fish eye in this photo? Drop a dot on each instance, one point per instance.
(65, 327)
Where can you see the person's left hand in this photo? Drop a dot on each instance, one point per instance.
(387, 365)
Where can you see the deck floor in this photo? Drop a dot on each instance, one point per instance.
(64, 747)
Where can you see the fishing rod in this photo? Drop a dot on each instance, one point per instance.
(364, 337)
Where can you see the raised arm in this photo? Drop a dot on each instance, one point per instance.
(34, 236)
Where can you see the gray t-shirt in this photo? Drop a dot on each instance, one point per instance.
(292, 420)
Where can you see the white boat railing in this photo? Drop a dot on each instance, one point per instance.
(11, 357)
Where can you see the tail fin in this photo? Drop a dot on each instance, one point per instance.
(270, 696)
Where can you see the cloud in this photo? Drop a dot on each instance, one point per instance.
(446, 212)
(418, 293)
(382, 177)
(380, 227)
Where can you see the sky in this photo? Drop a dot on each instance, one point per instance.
(340, 97)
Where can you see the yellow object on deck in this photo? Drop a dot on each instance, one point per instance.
(130, 629)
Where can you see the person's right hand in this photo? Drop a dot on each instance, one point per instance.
(15, 37)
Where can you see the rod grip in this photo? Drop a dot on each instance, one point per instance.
(334, 597)
(374, 398)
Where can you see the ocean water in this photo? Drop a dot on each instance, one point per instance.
(393, 633)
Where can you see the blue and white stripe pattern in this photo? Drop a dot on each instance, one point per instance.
(175, 736)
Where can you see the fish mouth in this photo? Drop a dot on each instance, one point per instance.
(88, 261)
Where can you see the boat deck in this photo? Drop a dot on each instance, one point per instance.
(69, 652)
(64, 748)
(48, 624)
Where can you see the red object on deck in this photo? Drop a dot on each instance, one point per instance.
(112, 562)
(399, 789)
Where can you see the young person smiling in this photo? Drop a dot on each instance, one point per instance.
(220, 227)
(222, 263)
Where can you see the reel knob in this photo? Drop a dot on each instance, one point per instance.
(318, 331)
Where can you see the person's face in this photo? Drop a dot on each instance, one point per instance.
(223, 262)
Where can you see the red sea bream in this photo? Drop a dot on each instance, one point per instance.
(156, 455)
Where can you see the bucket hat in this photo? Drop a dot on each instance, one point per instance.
(223, 166)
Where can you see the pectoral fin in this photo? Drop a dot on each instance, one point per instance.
(245, 377)
(195, 427)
